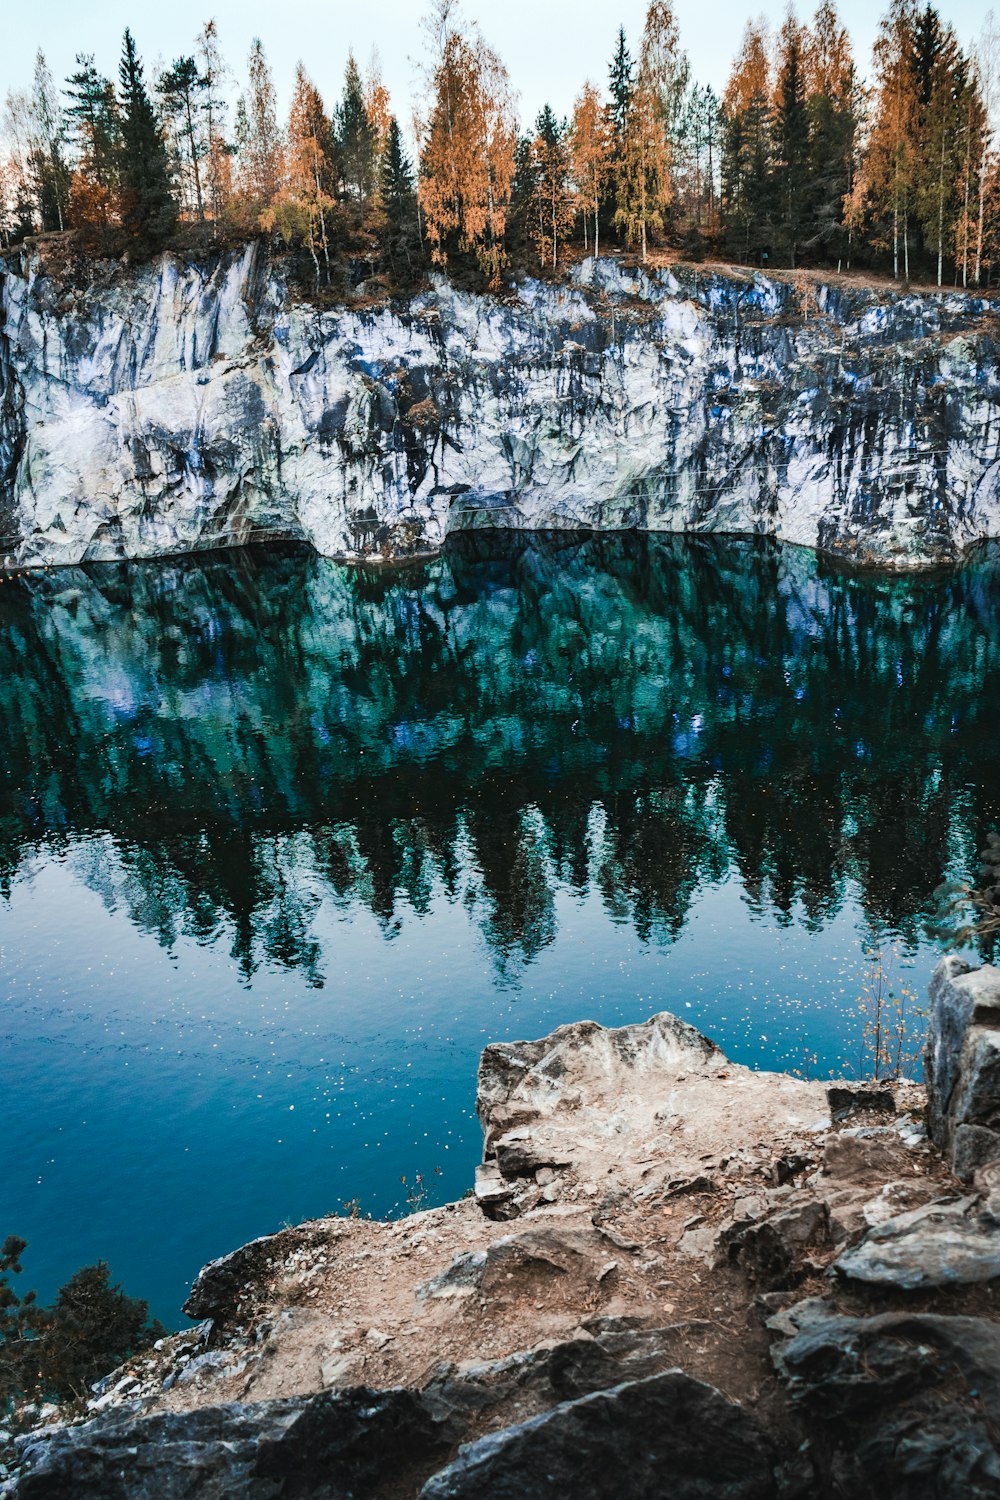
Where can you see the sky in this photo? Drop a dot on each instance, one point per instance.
(550, 46)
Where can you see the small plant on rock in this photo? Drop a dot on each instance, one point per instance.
(893, 1024)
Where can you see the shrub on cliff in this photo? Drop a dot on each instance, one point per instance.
(59, 1351)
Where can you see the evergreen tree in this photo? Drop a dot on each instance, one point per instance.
(620, 83)
(554, 210)
(396, 181)
(791, 139)
(833, 104)
(148, 210)
(355, 136)
(58, 1351)
(748, 148)
(94, 122)
(182, 88)
(398, 197)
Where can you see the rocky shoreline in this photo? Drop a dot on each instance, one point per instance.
(191, 404)
(674, 1276)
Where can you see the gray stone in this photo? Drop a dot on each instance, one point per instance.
(771, 1250)
(962, 1064)
(848, 1099)
(668, 1435)
(193, 400)
(322, 1447)
(939, 1244)
(907, 1406)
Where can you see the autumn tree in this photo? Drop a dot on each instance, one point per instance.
(378, 108)
(258, 137)
(468, 149)
(985, 234)
(590, 147)
(147, 209)
(644, 182)
(833, 105)
(885, 189)
(301, 209)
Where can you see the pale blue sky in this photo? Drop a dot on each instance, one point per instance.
(550, 46)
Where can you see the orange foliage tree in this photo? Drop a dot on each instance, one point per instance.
(590, 144)
(467, 159)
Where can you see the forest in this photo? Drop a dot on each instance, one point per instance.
(805, 160)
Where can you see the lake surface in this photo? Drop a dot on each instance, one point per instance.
(284, 844)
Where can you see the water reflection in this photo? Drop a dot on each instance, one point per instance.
(254, 731)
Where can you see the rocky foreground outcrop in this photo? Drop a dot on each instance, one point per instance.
(676, 1278)
(185, 405)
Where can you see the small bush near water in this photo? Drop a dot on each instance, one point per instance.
(57, 1352)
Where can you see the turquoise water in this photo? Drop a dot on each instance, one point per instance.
(283, 844)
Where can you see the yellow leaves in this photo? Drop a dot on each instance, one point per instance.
(467, 162)
(590, 146)
(378, 106)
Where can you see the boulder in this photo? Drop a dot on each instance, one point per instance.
(962, 1064)
(667, 1435)
(906, 1406)
(938, 1244)
(624, 1108)
(326, 1446)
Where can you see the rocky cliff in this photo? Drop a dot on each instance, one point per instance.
(676, 1276)
(181, 405)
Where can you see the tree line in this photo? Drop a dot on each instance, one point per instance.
(802, 161)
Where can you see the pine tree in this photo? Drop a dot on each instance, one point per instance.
(747, 146)
(554, 207)
(396, 181)
(398, 199)
(620, 83)
(148, 210)
(94, 124)
(644, 186)
(791, 138)
(833, 104)
(356, 137)
(182, 89)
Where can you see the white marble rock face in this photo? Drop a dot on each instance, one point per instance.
(178, 406)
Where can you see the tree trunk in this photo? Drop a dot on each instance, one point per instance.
(940, 255)
(192, 147)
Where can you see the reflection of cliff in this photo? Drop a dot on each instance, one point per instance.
(628, 713)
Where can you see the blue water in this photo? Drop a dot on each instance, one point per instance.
(282, 845)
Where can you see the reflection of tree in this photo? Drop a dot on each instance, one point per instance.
(257, 730)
